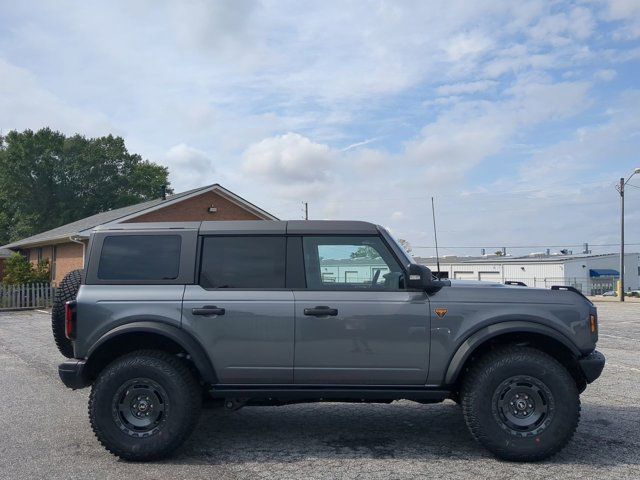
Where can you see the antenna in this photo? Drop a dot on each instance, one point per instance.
(435, 235)
(306, 210)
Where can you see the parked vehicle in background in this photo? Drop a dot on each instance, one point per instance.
(273, 313)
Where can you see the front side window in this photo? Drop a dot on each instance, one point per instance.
(140, 257)
(243, 262)
(351, 263)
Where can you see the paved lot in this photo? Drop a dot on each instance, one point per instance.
(44, 431)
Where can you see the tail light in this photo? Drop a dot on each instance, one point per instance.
(70, 320)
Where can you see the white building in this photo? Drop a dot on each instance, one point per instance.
(592, 274)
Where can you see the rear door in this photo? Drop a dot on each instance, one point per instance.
(240, 310)
(356, 324)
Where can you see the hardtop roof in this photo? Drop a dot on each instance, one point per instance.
(255, 227)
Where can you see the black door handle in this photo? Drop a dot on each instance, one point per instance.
(321, 311)
(208, 311)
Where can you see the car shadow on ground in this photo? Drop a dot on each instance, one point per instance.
(403, 430)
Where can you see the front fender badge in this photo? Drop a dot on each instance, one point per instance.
(441, 312)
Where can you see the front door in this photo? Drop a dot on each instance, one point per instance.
(241, 312)
(356, 324)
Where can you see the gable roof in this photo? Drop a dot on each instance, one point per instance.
(5, 253)
(82, 228)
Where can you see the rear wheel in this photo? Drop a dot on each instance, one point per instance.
(66, 291)
(144, 405)
(520, 403)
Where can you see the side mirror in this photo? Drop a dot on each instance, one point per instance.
(421, 278)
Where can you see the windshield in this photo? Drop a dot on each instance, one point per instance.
(397, 246)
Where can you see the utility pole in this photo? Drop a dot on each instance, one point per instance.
(621, 190)
(306, 210)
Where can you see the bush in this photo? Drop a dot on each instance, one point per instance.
(18, 270)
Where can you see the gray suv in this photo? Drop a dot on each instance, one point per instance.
(166, 316)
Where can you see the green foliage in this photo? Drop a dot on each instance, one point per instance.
(18, 271)
(365, 252)
(48, 179)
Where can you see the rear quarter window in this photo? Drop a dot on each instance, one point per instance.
(140, 257)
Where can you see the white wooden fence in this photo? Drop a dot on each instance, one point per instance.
(35, 295)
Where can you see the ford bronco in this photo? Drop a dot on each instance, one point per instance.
(164, 316)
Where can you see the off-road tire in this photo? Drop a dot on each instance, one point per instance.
(66, 291)
(183, 400)
(482, 403)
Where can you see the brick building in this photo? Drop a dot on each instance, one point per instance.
(65, 246)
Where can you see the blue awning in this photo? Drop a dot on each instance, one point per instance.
(603, 272)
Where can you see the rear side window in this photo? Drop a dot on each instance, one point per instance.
(243, 262)
(140, 257)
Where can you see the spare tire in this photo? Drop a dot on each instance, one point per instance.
(66, 291)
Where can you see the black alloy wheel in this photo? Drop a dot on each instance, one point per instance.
(523, 405)
(140, 407)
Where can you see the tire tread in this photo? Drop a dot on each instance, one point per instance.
(480, 372)
(170, 365)
(66, 291)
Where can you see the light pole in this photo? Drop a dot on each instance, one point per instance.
(620, 189)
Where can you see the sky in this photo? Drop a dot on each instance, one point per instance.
(518, 117)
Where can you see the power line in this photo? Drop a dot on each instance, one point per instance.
(529, 246)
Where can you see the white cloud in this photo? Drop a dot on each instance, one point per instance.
(188, 167)
(606, 74)
(25, 103)
(290, 160)
(465, 88)
(621, 9)
(626, 14)
(561, 28)
(183, 156)
(466, 44)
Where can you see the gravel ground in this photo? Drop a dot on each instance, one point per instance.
(45, 433)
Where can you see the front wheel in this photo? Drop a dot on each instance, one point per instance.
(144, 405)
(520, 403)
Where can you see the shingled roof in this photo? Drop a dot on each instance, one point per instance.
(82, 228)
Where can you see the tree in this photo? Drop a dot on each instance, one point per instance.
(48, 179)
(18, 270)
(405, 244)
(365, 252)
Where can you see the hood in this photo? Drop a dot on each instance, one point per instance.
(510, 293)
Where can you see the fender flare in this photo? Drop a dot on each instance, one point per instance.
(189, 344)
(476, 339)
